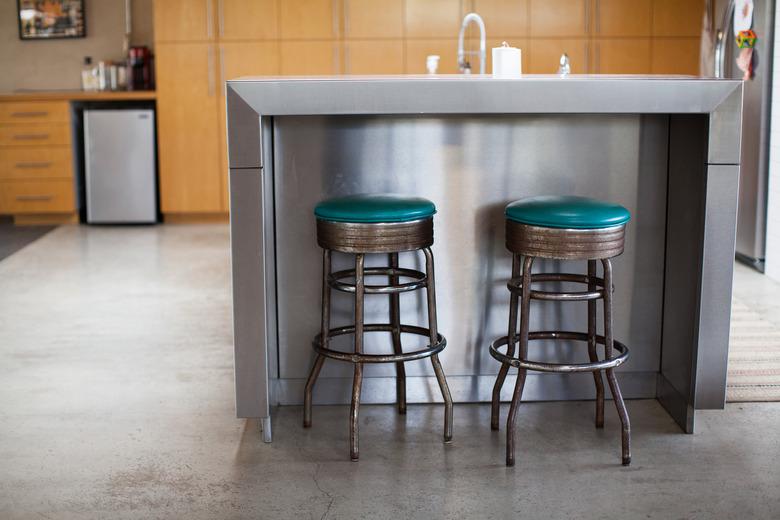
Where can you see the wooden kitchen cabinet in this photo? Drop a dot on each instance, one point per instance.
(374, 57)
(621, 56)
(675, 56)
(559, 18)
(544, 55)
(418, 50)
(304, 58)
(433, 19)
(184, 20)
(309, 19)
(678, 17)
(504, 18)
(623, 18)
(373, 19)
(247, 20)
(188, 137)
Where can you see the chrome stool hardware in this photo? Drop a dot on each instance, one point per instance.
(361, 239)
(527, 242)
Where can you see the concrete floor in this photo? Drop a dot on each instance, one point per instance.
(116, 401)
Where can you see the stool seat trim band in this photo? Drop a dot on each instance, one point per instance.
(380, 358)
(559, 367)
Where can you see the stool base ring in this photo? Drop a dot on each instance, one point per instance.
(559, 367)
(352, 357)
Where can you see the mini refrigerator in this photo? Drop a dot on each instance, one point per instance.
(120, 166)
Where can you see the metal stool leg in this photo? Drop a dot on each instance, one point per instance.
(357, 381)
(430, 289)
(495, 406)
(592, 347)
(525, 307)
(395, 321)
(315, 370)
(611, 379)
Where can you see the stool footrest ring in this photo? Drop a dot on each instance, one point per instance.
(559, 367)
(379, 358)
(516, 285)
(419, 280)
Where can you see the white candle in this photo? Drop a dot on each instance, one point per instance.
(507, 61)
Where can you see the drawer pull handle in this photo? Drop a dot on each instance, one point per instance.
(22, 165)
(29, 114)
(30, 137)
(30, 198)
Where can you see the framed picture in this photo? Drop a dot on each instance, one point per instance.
(50, 19)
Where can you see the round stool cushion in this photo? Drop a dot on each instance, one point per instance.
(567, 212)
(374, 208)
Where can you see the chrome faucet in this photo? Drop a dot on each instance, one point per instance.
(463, 63)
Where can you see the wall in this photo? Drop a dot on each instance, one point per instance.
(56, 64)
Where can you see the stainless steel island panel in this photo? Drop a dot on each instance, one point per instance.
(471, 166)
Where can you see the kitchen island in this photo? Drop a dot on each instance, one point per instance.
(667, 148)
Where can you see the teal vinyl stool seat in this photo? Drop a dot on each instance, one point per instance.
(561, 228)
(370, 224)
(567, 212)
(374, 208)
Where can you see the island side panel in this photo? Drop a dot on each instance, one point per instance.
(253, 282)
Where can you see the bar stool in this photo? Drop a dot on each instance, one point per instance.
(366, 224)
(564, 228)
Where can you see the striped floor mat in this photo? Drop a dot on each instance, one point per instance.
(754, 357)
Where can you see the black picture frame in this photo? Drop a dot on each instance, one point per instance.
(31, 20)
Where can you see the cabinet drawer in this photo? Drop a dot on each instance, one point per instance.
(35, 135)
(34, 112)
(34, 163)
(54, 196)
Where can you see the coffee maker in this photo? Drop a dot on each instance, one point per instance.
(140, 69)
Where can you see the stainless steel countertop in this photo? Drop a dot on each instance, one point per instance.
(478, 94)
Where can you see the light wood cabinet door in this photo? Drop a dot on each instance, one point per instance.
(504, 17)
(247, 19)
(304, 58)
(373, 19)
(559, 18)
(678, 17)
(622, 56)
(623, 18)
(188, 129)
(544, 55)
(184, 20)
(309, 19)
(418, 50)
(374, 57)
(675, 56)
(433, 18)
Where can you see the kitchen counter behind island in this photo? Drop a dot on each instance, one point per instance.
(666, 148)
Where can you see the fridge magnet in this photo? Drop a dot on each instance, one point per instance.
(51, 19)
(746, 39)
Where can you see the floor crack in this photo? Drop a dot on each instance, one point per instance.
(331, 497)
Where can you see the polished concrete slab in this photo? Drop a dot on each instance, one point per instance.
(116, 401)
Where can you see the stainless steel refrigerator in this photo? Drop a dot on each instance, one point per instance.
(120, 166)
(754, 171)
